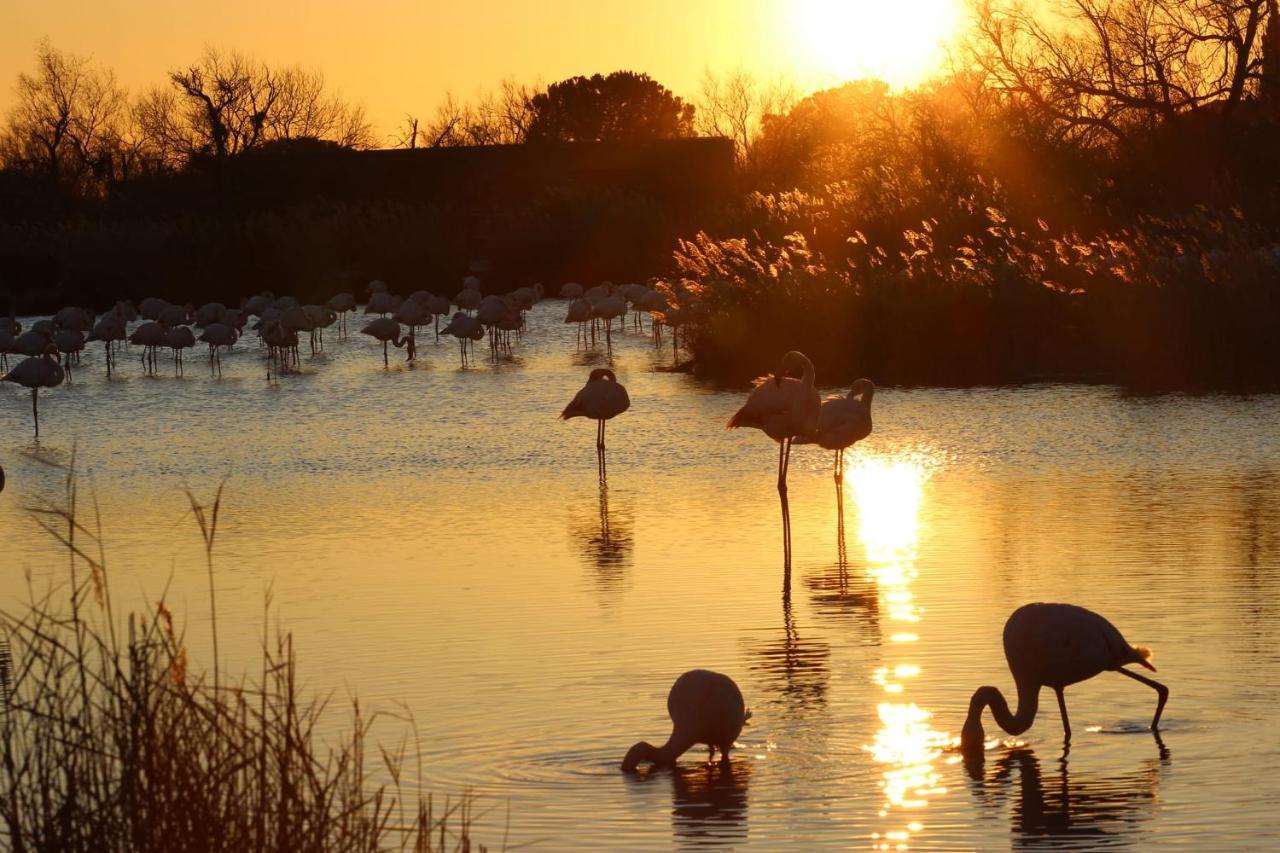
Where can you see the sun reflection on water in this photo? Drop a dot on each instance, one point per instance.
(889, 491)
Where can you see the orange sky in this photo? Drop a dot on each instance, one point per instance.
(401, 56)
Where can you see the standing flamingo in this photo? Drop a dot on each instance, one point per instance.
(601, 399)
(705, 707)
(1055, 645)
(387, 330)
(844, 421)
(784, 408)
(41, 371)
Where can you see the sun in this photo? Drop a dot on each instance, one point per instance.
(901, 43)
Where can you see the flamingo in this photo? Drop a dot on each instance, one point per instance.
(6, 347)
(151, 336)
(844, 421)
(218, 335)
(70, 343)
(387, 330)
(1055, 645)
(602, 398)
(109, 329)
(37, 372)
(784, 408)
(570, 290)
(705, 707)
(466, 329)
(177, 339)
(382, 303)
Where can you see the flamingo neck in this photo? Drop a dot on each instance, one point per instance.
(675, 747)
(1013, 723)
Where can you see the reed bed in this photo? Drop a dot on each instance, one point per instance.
(112, 741)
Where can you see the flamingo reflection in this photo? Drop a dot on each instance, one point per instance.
(606, 540)
(792, 670)
(1053, 805)
(709, 802)
(784, 408)
(836, 592)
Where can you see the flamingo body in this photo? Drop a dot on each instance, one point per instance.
(602, 398)
(1055, 645)
(705, 707)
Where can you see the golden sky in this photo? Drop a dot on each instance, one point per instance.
(402, 56)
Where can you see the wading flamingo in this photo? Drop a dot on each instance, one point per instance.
(387, 330)
(1054, 645)
(844, 421)
(783, 407)
(705, 707)
(41, 371)
(601, 399)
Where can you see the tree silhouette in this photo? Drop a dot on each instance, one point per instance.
(622, 106)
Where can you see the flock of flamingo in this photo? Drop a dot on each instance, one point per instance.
(1046, 645)
(52, 346)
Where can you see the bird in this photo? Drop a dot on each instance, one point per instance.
(601, 399)
(842, 421)
(705, 707)
(1055, 645)
(41, 371)
(466, 329)
(784, 408)
(387, 330)
(218, 335)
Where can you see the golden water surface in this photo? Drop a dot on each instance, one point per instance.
(437, 537)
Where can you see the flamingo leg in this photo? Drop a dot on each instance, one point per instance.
(35, 410)
(1062, 708)
(1160, 689)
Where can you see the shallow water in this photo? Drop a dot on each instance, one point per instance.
(436, 537)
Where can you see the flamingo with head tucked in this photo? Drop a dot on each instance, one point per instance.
(601, 399)
(1055, 645)
(705, 707)
(843, 421)
(42, 371)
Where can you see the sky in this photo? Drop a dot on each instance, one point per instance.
(401, 57)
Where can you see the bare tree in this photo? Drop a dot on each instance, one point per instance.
(231, 104)
(67, 122)
(735, 105)
(498, 117)
(1101, 70)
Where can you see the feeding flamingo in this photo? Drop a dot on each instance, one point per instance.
(387, 330)
(705, 707)
(1055, 645)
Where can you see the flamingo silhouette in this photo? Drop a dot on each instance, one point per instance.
(784, 408)
(387, 330)
(37, 372)
(601, 399)
(843, 421)
(705, 707)
(1054, 645)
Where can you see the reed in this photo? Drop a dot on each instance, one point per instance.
(112, 741)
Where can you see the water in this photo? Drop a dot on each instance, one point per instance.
(436, 537)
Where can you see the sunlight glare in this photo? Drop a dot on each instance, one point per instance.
(902, 44)
(889, 492)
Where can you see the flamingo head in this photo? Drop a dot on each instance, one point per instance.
(641, 751)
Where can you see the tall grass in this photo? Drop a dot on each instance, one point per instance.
(115, 742)
(971, 291)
